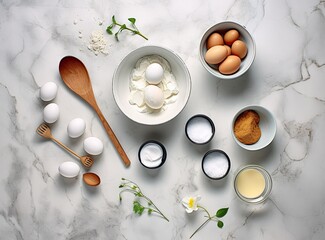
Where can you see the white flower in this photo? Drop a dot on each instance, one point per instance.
(191, 203)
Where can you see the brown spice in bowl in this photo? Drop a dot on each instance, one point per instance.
(246, 127)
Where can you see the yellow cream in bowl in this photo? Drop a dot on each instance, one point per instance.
(250, 183)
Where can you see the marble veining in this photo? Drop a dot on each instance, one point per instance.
(287, 77)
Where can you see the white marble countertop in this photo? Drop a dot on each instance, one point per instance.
(287, 78)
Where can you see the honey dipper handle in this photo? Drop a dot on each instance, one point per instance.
(65, 147)
(113, 138)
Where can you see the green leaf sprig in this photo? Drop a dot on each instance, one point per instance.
(123, 27)
(219, 214)
(138, 207)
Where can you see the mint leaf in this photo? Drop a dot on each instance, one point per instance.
(220, 224)
(132, 20)
(221, 212)
(123, 27)
(149, 211)
(138, 208)
(114, 21)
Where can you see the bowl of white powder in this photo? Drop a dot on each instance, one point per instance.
(152, 154)
(216, 164)
(199, 129)
(151, 85)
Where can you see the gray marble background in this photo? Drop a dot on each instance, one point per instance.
(287, 77)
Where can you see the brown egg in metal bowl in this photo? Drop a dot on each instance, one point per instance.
(227, 57)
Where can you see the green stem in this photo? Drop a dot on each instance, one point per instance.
(205, 222)
(203, 208)
(201, 226)
(132, 30)
(141, 195)
(126, 190)
(130, 182)
(151, 202)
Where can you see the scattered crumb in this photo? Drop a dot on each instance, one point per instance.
(80, 35)
(97, 43)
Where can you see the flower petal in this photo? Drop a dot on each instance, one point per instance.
(189, 210)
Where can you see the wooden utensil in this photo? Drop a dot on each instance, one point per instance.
(91, 179)
(45, 131)
(75, 75)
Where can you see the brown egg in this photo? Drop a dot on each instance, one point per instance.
(214, 39)
(216, 54)
(239, 49)
(228, 49)
(230, 65)
(231, 36)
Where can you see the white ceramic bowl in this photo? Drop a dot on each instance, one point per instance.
(245, 36)
(121, 81)
(267, 125)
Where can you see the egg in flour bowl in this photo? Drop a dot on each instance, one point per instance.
(153, 96)
(154, 73)
(153, 80)
(135, 73)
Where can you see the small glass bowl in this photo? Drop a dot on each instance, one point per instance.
(268, 184)
(164, 153)
(198, 116)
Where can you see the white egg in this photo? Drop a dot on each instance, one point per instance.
(48, 91)
(76, 127)
(153, 96)
(154, 73)
(51, 113)
(93, 146)
(69, 169)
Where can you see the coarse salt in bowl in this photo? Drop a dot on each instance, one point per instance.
(200, 129)
(121, 81)
(216, 164)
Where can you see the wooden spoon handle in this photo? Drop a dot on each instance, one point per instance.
(113, 138)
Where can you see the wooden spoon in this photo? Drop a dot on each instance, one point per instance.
(74, 74)
(91, 179)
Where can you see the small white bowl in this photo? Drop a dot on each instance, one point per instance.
(245, 36)
(267, 125)
(121, 81)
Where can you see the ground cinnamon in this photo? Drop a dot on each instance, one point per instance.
(246, 127)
